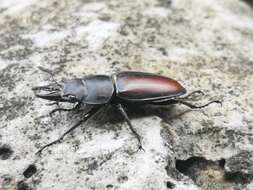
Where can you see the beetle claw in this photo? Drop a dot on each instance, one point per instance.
(53, 111)
(218, 102)
(193, 95)
(49, 144)
(141, 148)
(200, 92)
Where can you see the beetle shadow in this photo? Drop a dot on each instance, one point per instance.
(112, 116)
(166, 113)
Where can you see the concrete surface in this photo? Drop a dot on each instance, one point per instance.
(204, 44)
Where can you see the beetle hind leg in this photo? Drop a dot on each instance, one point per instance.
(180, 101)
(193, 95)
(124, 114)
(198, 107)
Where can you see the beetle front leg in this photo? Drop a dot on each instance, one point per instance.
(53, 103)
(124, 114)
(64, 109)
(93, 111)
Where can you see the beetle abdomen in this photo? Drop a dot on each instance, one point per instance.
(138, 86)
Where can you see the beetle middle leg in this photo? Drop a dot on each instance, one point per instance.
(93, 111)
(124, 114)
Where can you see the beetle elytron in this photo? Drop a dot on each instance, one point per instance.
(120, 90)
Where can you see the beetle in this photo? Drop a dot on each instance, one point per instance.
(120, 90)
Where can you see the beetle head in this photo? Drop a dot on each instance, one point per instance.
(68, 91)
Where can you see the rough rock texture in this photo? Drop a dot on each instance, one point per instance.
(203, 44)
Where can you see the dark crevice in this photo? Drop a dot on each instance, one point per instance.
(5, 152)
(239, 177)
(207, 173)
(222, 163)
(30, 171)
(249, 2)
(7, 180)
(170, 185)
(185, 166)
(239, 168)
(23, 186)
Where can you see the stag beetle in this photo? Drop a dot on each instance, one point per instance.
(119, 90)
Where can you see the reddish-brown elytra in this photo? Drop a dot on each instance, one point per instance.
(137, 86)
(119, 89)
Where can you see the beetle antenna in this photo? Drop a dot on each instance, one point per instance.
(50, 73)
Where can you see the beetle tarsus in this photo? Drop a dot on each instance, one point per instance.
(86, 117)
(197, 92)
(49, 144)
(124, 114)
(58, 110)
(180, 101)
(53, 103)
(140, 148)
(191, 94)
(64, 109)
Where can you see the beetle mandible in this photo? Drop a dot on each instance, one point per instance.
(120, 90)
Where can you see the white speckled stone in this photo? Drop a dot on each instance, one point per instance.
(203, 44)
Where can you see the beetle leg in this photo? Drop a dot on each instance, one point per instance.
(178, 101)
(197, 107)
(86, 117)
(191, 94)
(64, 109)
(53, 103)
(124, 114)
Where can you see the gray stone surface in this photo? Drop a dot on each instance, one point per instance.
(203, 44)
